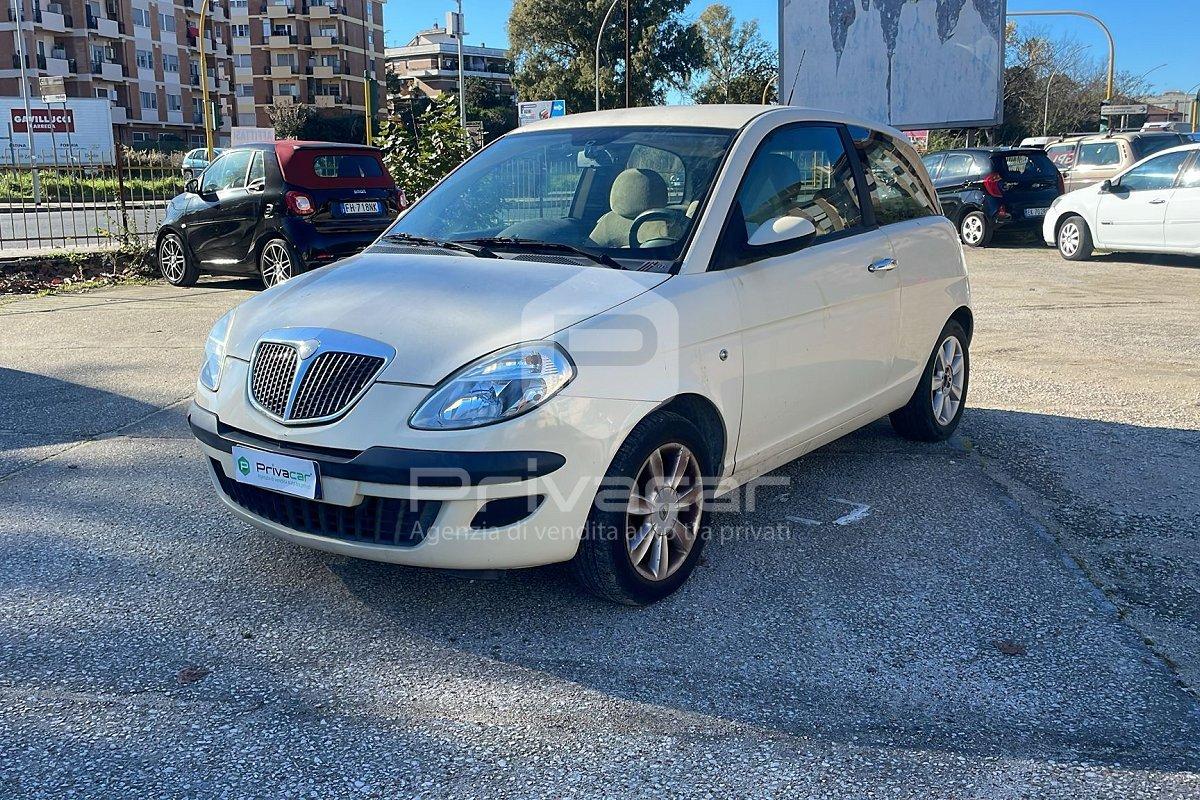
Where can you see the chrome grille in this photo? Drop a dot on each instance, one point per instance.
(331, 381)
(272, 375)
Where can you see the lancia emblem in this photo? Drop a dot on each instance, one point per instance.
(307, 348)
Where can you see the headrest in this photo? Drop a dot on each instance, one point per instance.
(637, 190)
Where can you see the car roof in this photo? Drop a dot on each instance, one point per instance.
(301, 144)
(721, 116)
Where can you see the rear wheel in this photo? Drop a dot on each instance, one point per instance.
(173, 262)
(644, 534)
(1074, 239)
(934, 410)
(278, 262)
(975, 229)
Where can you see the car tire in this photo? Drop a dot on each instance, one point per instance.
(278, 262)
(975, 229)
(174, 263)
(1074, 239)
(927, 417)
(621, 549)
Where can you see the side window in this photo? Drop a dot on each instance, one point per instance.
(230, 172)
(1062, 155)
(931, 164)
(213, 175)
(1099, 154)
(258, 172)
(1157, 173)
(897, 191)
(1191, 177)
(958, 165)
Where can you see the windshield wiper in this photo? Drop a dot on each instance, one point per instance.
(445, 244)
(518, 243)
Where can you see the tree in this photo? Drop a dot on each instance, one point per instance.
(299, 121)
(290, 121)
(419, 149)
(553, 43)
(738, 62)
(498, 114)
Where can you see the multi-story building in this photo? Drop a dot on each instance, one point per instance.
(144, 57)
(1175, 105)
(316, 52)
(428, 65)
(141, 55)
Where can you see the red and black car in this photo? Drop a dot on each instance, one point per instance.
(277, 209)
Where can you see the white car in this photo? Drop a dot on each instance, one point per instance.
(562, 351)
(1152, 207)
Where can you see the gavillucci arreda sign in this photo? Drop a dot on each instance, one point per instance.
(45, 120)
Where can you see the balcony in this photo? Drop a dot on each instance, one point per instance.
(56, 20)
(282, 40)
(328, 100)
(322, 72)
(57, 66)
(175, 117)
(108, 70)
(119, 115)
(278, 10)
(284, 100)
(324, 42)
(282, 70)
(245, 102)
(108, 28)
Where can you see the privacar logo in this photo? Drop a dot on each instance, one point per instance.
(243, 465)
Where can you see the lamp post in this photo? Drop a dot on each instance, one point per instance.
(1112, 47)
(19, 16)
(462, 86)
(208, 127)
(599, 36)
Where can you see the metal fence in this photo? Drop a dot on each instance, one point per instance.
(82, 205)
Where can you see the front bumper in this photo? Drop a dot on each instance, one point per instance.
(559, 453)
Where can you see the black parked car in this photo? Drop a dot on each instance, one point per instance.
(277, 209)
(985, 189)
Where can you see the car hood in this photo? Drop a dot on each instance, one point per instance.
(438, 312)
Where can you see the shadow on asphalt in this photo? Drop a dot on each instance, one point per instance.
(53, 411)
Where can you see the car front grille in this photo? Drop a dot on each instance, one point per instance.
(272, 375)
(389, 521)
(293, 390)
(331, 382)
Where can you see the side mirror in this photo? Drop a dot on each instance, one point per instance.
(1106, 187)
(191, 187)
(782, 230)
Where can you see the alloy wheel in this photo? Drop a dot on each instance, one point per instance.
(972, 229)
(663, 516)
(276, 263)
(1068, 239)
(171, 260)
(949, 378)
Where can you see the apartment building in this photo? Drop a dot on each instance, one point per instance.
(428, 65)
(316, 52)
(142, 55)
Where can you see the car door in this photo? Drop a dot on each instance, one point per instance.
(1181, 231)
(1133, 214)
(952, 182)
(216, 223)
(820, 316)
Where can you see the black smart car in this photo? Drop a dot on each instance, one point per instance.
(277, 209)
(985, 189)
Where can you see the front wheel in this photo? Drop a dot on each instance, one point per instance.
(975, 229)
(277, 263)
(935, 408)
(1074, 239)
(173, 261)
(644, 534)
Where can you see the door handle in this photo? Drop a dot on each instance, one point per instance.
(882, 265)
(1157, 202)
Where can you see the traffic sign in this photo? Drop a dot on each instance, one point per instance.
(52, 88)
(1123, 111)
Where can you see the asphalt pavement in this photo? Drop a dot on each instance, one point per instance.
(1011, 614)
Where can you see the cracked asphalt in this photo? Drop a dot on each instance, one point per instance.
(1015, 615)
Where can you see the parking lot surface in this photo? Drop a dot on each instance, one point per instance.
(1011, 614)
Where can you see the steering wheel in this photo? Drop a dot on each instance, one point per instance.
(653, 215)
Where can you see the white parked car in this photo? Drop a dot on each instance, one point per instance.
(1152, 207)
(590, 328)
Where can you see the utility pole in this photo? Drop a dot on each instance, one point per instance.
(208, 121)
(19, 16)
(368, 84)
(462, 85)
(628, 48)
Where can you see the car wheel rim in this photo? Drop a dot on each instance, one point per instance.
(171, 260)
(276, 264)
(663, 517)
(1068, 239)
(972, 229)
(949, 378)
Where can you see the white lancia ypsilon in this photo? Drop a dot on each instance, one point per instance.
(586, 331)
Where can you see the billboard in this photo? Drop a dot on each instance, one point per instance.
(916, 64)
(78, 131)
(537, 110)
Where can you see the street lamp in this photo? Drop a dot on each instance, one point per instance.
(1112, 47)
(599, 36)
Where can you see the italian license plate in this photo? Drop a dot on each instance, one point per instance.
(360, 208)
(1036, 212)
(279, 473)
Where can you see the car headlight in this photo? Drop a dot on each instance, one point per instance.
(214, 354)
(497, 387)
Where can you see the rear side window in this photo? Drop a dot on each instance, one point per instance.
(1147, 145)
(1099, 154)
(347, 166)
(931, 164)
(1016, 166)
(897, 191)
(958, 165)
(1062, 155)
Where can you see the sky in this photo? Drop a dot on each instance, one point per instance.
(1148, 33)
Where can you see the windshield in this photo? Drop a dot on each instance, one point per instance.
(621, 192)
